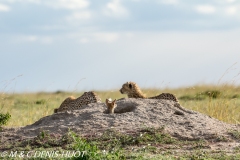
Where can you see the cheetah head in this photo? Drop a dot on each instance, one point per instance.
(128, 88)
(132, 90)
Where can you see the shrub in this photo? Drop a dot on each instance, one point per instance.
(42, 101)
(197, 97)
(236, 96)
(213, 94)
(200, 96)
(186, 97)
(4, 118)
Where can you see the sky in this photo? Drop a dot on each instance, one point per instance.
(80, 45)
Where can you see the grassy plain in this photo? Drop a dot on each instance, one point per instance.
(221, 102)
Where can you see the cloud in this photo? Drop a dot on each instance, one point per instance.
(30, 38)
(230, 1)
(170, 2)
(68, 4)
(24, 1)
(4, 8)
(116, 9)
(205, 9)
(80, 15)
(33, 39)
(106, 37)
(231, 10)
(93, 37)
(46, 40)
(84, 40)
(57, 4)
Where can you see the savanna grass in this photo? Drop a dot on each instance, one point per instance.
(219, 101)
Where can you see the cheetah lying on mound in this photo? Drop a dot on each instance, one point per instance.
(133, 91)
(71, 103)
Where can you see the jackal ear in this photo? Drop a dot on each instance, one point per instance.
(114, 101)
(130, 85)
(106, 100)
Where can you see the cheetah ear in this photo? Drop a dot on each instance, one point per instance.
(130, 85)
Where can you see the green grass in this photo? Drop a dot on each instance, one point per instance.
(144, 137)
(70, 142)
(144, 144)
(221, 102)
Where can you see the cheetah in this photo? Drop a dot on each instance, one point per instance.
(72, 103)
(133, 91)
(110, 105)
(65, 103)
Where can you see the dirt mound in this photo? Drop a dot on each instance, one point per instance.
(131, 114)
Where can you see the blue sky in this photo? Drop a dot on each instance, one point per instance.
(49, 45)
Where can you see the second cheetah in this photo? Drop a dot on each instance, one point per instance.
(72, 103)
(133, 91)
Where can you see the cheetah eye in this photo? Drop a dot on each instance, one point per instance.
(130, 86)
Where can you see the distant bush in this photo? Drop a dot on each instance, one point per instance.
(203, 95)
(59, 92)
(198, 97)
(4, 118)
(42, 101)
(187, 97)
(236, 96)
(213, 94)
